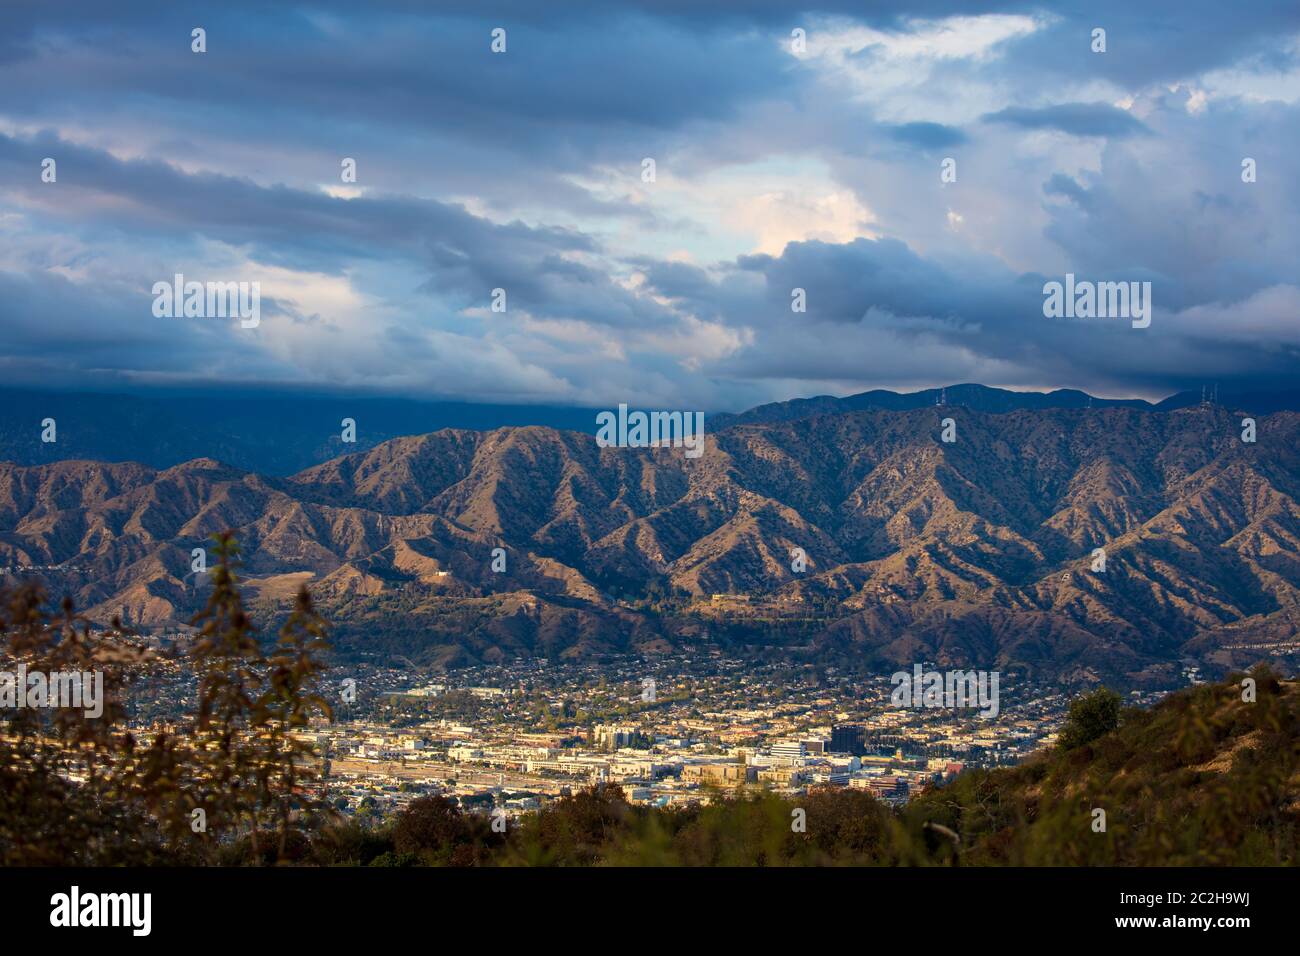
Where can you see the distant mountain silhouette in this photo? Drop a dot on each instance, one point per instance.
(274, 433)
(283, 432)
(980, 398)
(1256, 403)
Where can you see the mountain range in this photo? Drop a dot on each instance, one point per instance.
(281, 432)
(857, 536)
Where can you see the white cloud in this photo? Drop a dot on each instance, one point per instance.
(1255, 83)
(746, 208)
(1268, 317)
(896, 70)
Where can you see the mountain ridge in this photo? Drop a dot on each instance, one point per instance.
(282, 432)
(977, 550)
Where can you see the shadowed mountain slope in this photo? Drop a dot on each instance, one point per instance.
(895, 544)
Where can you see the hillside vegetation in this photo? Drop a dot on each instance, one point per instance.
(1203, 778)
(1209, 775)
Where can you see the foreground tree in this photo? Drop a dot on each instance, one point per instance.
(1091, 716)
(81, 787)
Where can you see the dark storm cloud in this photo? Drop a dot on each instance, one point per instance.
(851, 278)
(1078, 119)
(878, 305)
(927, 135)
(1155, 42)
(57, 331)
(1176, 206)
(609, 79)
(521, 171)
(465, 255)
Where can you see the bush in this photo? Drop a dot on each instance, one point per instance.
(1091, 716)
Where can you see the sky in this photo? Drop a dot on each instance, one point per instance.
(793, 147)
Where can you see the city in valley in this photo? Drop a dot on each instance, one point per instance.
(678, 730)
